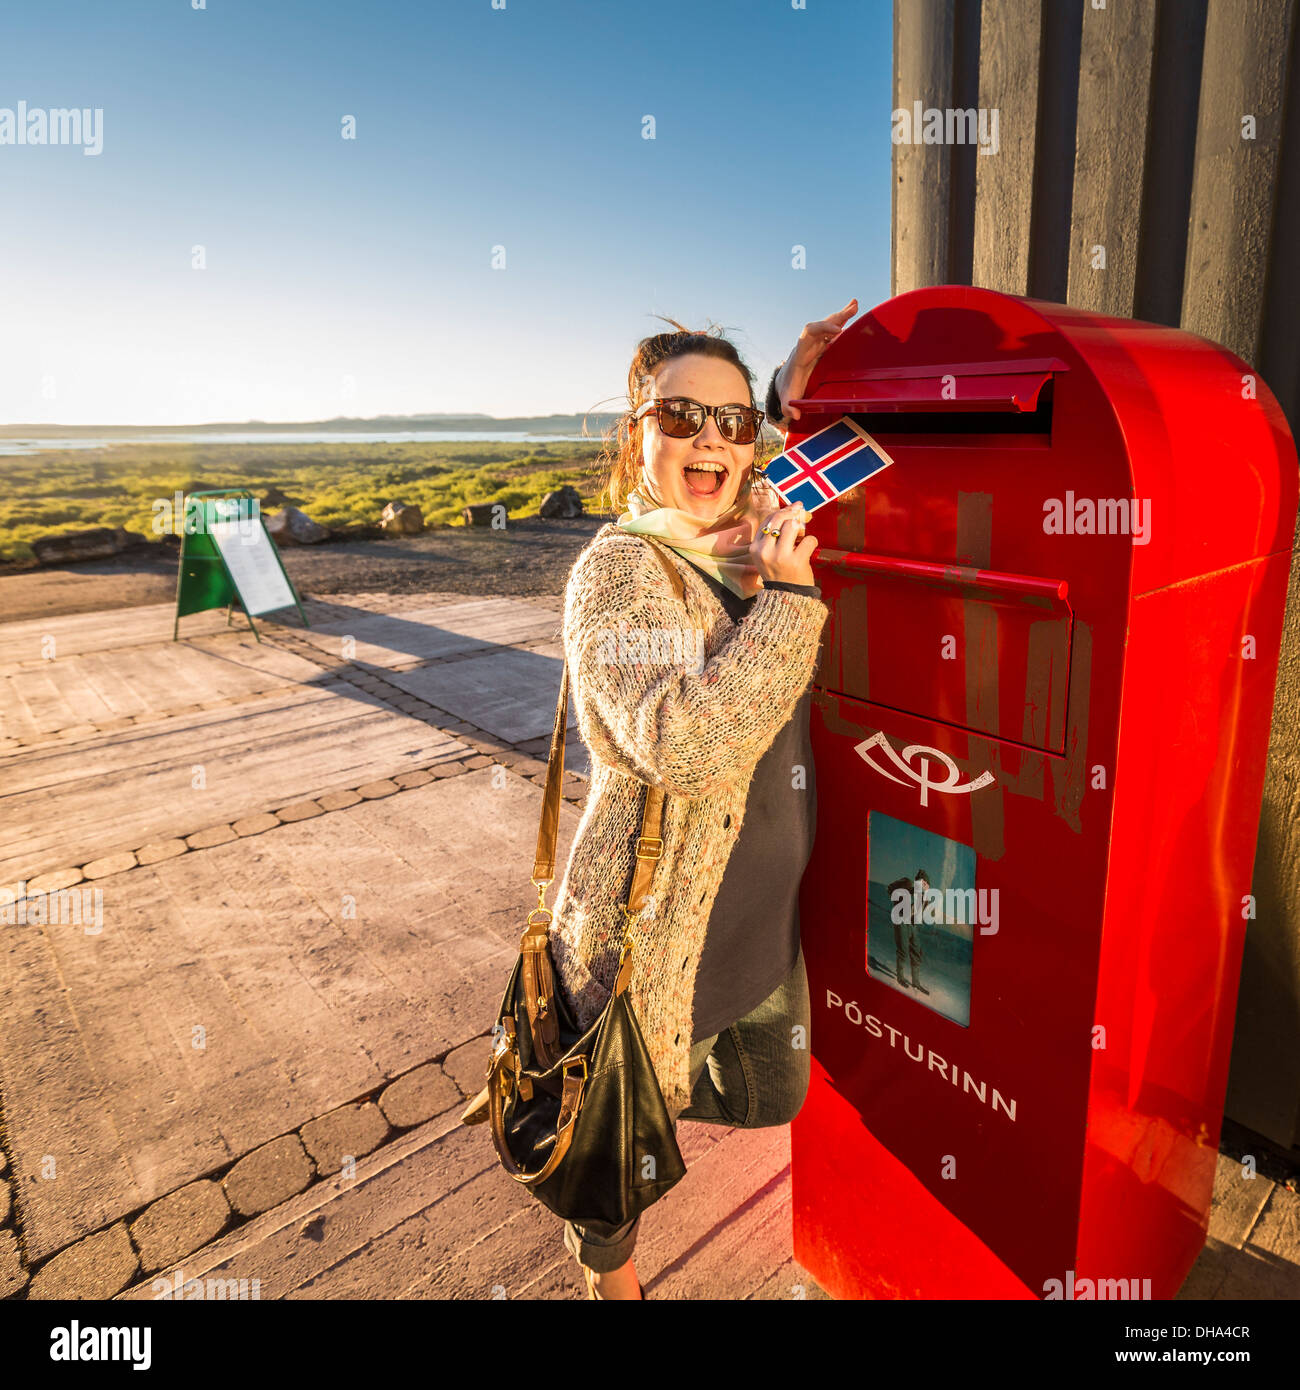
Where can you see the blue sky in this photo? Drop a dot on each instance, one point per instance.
(354, 277)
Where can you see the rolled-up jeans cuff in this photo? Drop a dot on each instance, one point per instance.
(601, 1253)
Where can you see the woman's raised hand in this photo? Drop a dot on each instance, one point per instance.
(785, 557)
(792, 379)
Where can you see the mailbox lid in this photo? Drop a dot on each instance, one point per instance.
(982, 651)
(1007, 385)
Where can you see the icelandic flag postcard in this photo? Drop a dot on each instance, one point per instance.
(826, 465)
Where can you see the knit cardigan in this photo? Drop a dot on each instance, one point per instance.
(694, 722)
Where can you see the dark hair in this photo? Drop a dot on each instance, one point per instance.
(921, 873)
(619, 463)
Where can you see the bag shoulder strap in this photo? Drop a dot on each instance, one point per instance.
(652, 816)
(537, 974)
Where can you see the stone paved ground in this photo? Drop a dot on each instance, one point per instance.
(303, 864)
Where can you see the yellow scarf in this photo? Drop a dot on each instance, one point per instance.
(719, 547)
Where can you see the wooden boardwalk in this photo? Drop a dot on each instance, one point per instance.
(117, 791)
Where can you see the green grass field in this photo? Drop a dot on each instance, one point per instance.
(337, 484)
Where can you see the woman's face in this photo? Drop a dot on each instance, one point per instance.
(701, 476)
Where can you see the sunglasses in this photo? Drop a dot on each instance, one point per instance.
(682, 418)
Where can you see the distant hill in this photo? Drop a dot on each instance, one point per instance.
(530, 424)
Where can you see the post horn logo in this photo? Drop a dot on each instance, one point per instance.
(921, 778)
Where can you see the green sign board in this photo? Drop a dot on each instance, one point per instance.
(227, 555)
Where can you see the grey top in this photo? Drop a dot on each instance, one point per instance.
(753, 935)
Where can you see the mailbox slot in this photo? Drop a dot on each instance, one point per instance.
(948, 642)
(955, 427)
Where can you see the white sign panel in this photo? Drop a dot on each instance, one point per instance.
(250, 557)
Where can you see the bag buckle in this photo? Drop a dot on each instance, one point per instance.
(655, 853)
(540, 884)
(630, 920)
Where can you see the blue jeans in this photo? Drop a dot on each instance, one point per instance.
(753, 1075)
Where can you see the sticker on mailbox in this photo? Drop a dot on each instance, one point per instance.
(826, 465)
(920, 931)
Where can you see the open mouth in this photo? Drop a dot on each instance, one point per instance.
(704, 480)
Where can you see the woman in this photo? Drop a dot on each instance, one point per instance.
(718, 983)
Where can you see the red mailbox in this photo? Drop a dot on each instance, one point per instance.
(1040, 719)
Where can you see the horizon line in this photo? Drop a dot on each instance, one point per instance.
(36, 428)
